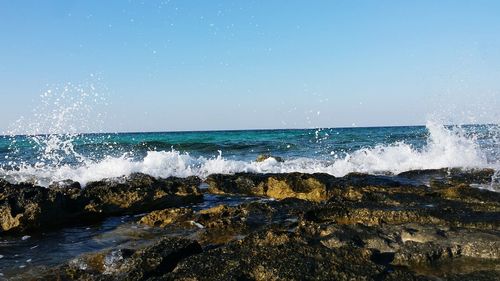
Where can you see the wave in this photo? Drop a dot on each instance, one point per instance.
(445, 147)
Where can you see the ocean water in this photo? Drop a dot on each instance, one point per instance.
(44, 159)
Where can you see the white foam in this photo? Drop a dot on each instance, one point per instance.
(445, 148)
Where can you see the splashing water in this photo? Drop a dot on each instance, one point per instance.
(57, 121)
(444, 147)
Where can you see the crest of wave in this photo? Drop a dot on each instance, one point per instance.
(446, 147)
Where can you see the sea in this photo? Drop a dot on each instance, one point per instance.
(47, 158)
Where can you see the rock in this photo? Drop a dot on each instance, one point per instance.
(162, 218)
(278, 255)
(312, 187)
(263, 157)
(140, 193)
(8, 220)
(403, 206)
(477, 176)
(127, 264)
(278, 186)
(66, 184)
(450, 176)
(425, 250)
(24, 207)
(221, 224)
(357, 227)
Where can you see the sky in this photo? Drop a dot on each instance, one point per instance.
(211, 65)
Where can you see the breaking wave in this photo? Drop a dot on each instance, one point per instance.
(445, 147)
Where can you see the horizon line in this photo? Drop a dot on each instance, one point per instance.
(237, 130)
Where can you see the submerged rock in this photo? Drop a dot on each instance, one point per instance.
(25, 207)
(221, 224)
(127, 264)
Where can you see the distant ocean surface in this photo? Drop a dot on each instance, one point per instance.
(44, 159)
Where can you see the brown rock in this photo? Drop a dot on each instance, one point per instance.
(25, 207)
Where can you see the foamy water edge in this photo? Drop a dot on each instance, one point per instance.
(445, 148)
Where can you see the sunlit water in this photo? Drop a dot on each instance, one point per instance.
(47, 158)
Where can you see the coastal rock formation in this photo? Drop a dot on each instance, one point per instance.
(321, 187)
(311, 187)
(26, 207)
(359, 227)
(368, 228)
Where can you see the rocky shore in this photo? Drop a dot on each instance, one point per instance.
(24, 207)
(418, 225)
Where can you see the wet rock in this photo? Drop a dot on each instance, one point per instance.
(25, 207)
(312, 187)
(127, 264)
(365, 200)
(477, 275)
(450, 176)
(478, 176)
(435, 212)
(165, 217)
(425, 250)
(66, 184)
(278, 255)
(263, 157)
(221, 224)
(357, 227)
(140, 193)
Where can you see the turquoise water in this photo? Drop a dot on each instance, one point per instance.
(337, 151)
(242, 145)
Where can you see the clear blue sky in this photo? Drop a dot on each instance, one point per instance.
(191, 65)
